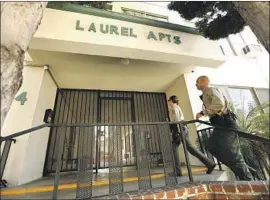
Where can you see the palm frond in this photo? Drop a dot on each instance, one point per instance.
(258, 109)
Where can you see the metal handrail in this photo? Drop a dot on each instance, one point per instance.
(205, 128)
(181, 123)
(3, 159)
(241, 133)
(24, 132)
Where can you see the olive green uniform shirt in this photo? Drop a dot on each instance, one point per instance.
(213, 101)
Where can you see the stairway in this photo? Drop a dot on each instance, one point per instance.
(43, 188)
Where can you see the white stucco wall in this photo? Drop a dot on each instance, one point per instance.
(27, 155)
(262, 61)
(38, 140)
(237, 71)
(179, 88)
(20, 117)
(57, 32)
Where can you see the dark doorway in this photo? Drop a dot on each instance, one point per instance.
(115, 110)
(93, 106)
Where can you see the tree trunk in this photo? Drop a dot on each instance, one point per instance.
(19, 22)
(256, 15)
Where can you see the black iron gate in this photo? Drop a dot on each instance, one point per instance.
(92, 106)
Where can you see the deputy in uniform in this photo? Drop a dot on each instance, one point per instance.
(176, 114)
(222, 144)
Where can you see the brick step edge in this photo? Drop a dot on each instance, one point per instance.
(203, 190)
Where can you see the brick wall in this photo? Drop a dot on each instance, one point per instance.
(205, 190)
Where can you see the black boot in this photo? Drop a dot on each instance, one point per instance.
(210, 169)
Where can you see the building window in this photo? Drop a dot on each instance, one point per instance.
(222, 50)
(243, 99)
(255, 47)
(225, 47)
(145, 14)
(263, 96)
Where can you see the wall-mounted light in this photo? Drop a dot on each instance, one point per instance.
(125, 61)
(46, 67)
(48, 116)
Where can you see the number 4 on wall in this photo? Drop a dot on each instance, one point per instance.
(22, 98)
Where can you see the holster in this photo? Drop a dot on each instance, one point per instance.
(222, 120)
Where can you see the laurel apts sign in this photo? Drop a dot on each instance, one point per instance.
(126, 32)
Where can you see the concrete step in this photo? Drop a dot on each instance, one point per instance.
(43, 188)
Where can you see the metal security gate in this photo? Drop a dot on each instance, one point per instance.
(92, 106)
(115, 109)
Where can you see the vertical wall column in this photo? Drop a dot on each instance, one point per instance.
(180, 89)
(27, 156)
